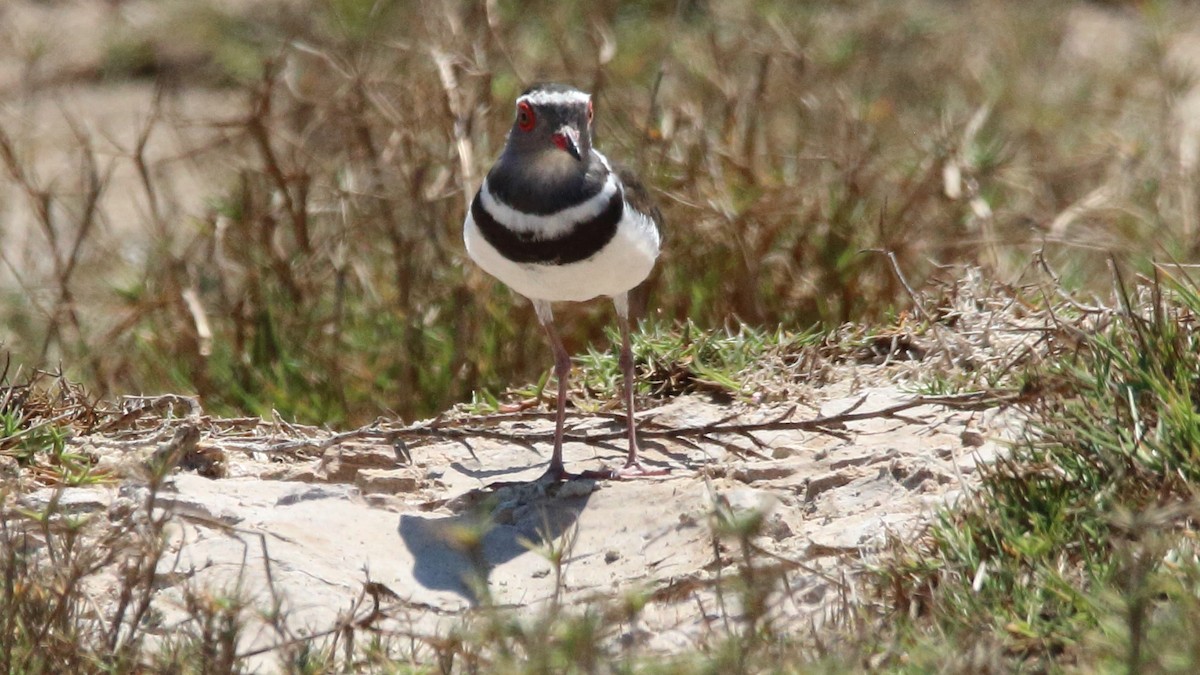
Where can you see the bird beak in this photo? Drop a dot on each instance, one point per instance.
(567, 138)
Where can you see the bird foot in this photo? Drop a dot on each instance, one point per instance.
(634, 469)
(558, 474)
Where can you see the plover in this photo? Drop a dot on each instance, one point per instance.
(557, 222)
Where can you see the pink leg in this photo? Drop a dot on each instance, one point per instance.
(633, 466)
(562, 370)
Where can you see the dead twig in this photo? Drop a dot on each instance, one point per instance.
(484, 426)
(156, 404)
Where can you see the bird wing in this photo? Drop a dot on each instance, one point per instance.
(639, 196)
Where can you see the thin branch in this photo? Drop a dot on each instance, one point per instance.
(483, 427)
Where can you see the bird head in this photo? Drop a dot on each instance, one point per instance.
(553, 123)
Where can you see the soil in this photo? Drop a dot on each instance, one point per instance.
(325, 525)
(328, 525)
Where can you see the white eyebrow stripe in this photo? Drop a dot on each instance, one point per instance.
(555, 97)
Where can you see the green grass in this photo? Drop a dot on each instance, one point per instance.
(789, 148)
(1078, 551)
(683, 358)
(1080, 548)
(36, 417)
(741, 363)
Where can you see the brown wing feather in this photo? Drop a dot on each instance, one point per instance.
(640, 198)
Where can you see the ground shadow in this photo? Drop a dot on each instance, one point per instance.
(654, 455)
(457, 553)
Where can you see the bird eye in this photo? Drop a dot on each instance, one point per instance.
(590, 112)
(525, 116)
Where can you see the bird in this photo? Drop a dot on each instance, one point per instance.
(556, 221)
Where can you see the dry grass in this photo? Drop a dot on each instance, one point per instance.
(808, 160)
(790, 148)
(1078, 551)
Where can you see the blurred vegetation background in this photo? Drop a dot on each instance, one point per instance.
(313, 263)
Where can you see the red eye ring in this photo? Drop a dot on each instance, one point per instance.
(590, 111)
(525, 117)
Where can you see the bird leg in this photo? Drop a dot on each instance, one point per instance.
(633, 466)
(626, 362)
(562, 370)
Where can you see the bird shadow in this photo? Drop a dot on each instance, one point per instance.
(457, 553)
(481, 474)
(665, 456)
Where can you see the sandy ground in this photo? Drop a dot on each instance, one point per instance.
(326, 517)
(306, 518)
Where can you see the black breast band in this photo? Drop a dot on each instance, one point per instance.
(582, 241)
